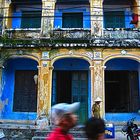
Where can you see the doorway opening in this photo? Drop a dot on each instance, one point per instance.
(122, 86)
(70, 84)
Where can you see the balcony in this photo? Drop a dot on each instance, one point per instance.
(74, 38)
(117, 37)
(119, 33)
(70, 33)
(23, 33)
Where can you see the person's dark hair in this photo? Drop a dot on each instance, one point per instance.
(93, 127)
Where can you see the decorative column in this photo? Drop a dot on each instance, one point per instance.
(92, 85)
(98, 79)
(96, 10)
(1, 67)
(0, 78)
(7, 12)
(98, 83)
(3, 103)
(44, 86)
(48, 8)
(137, 7)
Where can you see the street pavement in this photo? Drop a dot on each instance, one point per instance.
(118, 136)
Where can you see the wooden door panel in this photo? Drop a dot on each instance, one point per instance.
(80, 93)
(25, 93)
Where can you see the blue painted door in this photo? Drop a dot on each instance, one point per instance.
(80, 93)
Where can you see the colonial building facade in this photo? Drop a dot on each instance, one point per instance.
(68, 51)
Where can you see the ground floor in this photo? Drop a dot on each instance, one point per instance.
(32, 80)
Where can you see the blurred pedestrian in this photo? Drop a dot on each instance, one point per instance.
(96, 108)
(95, 128)
(63, 117)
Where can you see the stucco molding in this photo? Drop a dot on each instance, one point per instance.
(71, 55)
(98, 82)
(30, 56)
(18, 54)
(119, 55)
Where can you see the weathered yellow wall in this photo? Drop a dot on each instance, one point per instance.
(97, 67)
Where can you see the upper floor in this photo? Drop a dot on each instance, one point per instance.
(70, 19)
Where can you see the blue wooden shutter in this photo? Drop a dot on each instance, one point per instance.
(114, 19)
(80, 93)
(72, 20)
(31, 19)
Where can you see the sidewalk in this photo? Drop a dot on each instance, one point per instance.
(118, 136)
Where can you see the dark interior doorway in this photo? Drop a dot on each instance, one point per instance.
(121, 91)
(63, 86)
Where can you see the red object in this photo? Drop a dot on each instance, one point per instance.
(57, 134)
(134, 19)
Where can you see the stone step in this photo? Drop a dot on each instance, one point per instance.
(74, 133)
(43, 138)
(38, 138)
(78, 134)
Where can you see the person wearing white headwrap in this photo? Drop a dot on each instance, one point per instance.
(96, 108)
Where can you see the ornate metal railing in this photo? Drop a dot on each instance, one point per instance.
(73, 37)
(117, 38)
(23, 33)
(71, 34)
(121, 33)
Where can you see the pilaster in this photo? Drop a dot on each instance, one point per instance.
(137, 11)
(92, 81)
(98, 83)
(44, 85)
(0, 79)
(2, 102)
(48, 8)
(96, 9)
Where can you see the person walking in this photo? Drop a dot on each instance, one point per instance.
(63, 117)
(95, 128)
(96, 108)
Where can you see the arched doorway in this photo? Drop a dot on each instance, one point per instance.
(122, 86)
(19, 90)
(71, 84)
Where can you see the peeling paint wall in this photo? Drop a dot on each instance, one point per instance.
(8, 80)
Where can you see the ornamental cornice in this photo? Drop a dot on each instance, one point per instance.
(74, 53)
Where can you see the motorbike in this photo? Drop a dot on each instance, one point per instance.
(131, 130)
